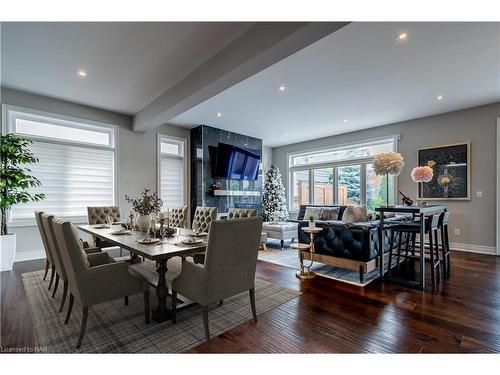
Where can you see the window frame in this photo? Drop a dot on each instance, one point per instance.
(9, 113)
(184, 142)
(362, 161)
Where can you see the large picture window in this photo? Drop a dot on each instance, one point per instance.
(76, 164)
(172, 170)
(342, 175)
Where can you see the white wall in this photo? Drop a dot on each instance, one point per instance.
(475, 218)
(136, 155)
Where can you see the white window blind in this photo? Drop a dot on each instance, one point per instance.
(172, 182)
(76, 166)
(171, 171)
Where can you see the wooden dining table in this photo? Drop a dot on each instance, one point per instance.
(159, 253)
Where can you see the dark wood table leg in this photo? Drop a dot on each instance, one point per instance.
(422, 251)
(381, 243)
(161, 313)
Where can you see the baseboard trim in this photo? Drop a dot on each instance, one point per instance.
(490, 250)
(29, 255)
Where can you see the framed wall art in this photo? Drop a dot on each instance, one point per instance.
(451, 166)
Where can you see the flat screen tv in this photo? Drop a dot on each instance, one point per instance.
(236, 163)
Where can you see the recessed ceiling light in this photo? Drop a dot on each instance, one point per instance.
(440, 97)
(402, 36)
(219, 114)
(345, 120)
(282, 88)
(81, 73)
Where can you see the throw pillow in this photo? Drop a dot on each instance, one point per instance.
(354, 214)
(329, 213)
(312, 211)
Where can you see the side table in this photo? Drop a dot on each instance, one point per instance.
(303, 274)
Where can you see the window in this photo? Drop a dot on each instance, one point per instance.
(76, 164)
(342, 175)
(349, 185)
(376, 193)
(323, 186)
(172, 170)
(300, 187)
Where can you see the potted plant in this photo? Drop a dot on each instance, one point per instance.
(15, 181)
(146, 204)
(312, 223)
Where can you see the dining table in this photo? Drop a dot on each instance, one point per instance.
(417, 212)
(159, 253)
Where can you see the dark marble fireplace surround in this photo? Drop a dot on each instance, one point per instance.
(204, 140)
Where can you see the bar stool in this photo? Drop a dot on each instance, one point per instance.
(412, 229)
(445, 243)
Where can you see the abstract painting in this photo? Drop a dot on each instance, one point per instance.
(451, 166)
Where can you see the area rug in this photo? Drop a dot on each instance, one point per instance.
(288, 257)
(115, 328)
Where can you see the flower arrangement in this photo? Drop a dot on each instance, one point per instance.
(422, 174)
(388, 163)
(146, 203)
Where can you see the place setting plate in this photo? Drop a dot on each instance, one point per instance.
(191, 241)
(149, 241)
(121, 232)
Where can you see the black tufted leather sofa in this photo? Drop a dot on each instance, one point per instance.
(358, 241)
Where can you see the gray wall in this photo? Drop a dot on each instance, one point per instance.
(136, 152)
(474, 218)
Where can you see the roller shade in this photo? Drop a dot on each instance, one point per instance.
(72, 177)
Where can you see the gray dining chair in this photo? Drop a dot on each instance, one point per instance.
(203, 217)
(46, 222)
(49, 260)
(238, 213)
(93, 285)
(178, 217)
(98, 215)
(229, 269)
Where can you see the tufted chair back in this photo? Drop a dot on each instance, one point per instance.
(178, 217)
(239, 213)
(98, 215)
(203, 217)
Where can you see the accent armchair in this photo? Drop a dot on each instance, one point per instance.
(229, 269)
(93, 285)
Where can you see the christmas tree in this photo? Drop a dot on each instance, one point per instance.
(273, 199)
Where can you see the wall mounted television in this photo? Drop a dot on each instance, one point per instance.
(236, 163)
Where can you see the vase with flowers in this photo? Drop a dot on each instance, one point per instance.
(147, 203)
(420, 175)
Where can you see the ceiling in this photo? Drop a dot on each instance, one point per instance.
(128, 65)
(361, 74)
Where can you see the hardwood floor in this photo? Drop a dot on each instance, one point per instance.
(461, 315)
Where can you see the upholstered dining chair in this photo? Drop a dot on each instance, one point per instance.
(46, 221)
(98, 215)
(93, 285)
(49, 261)
(178, 217)
(203, 217)
(238, 213)
(229, 269)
